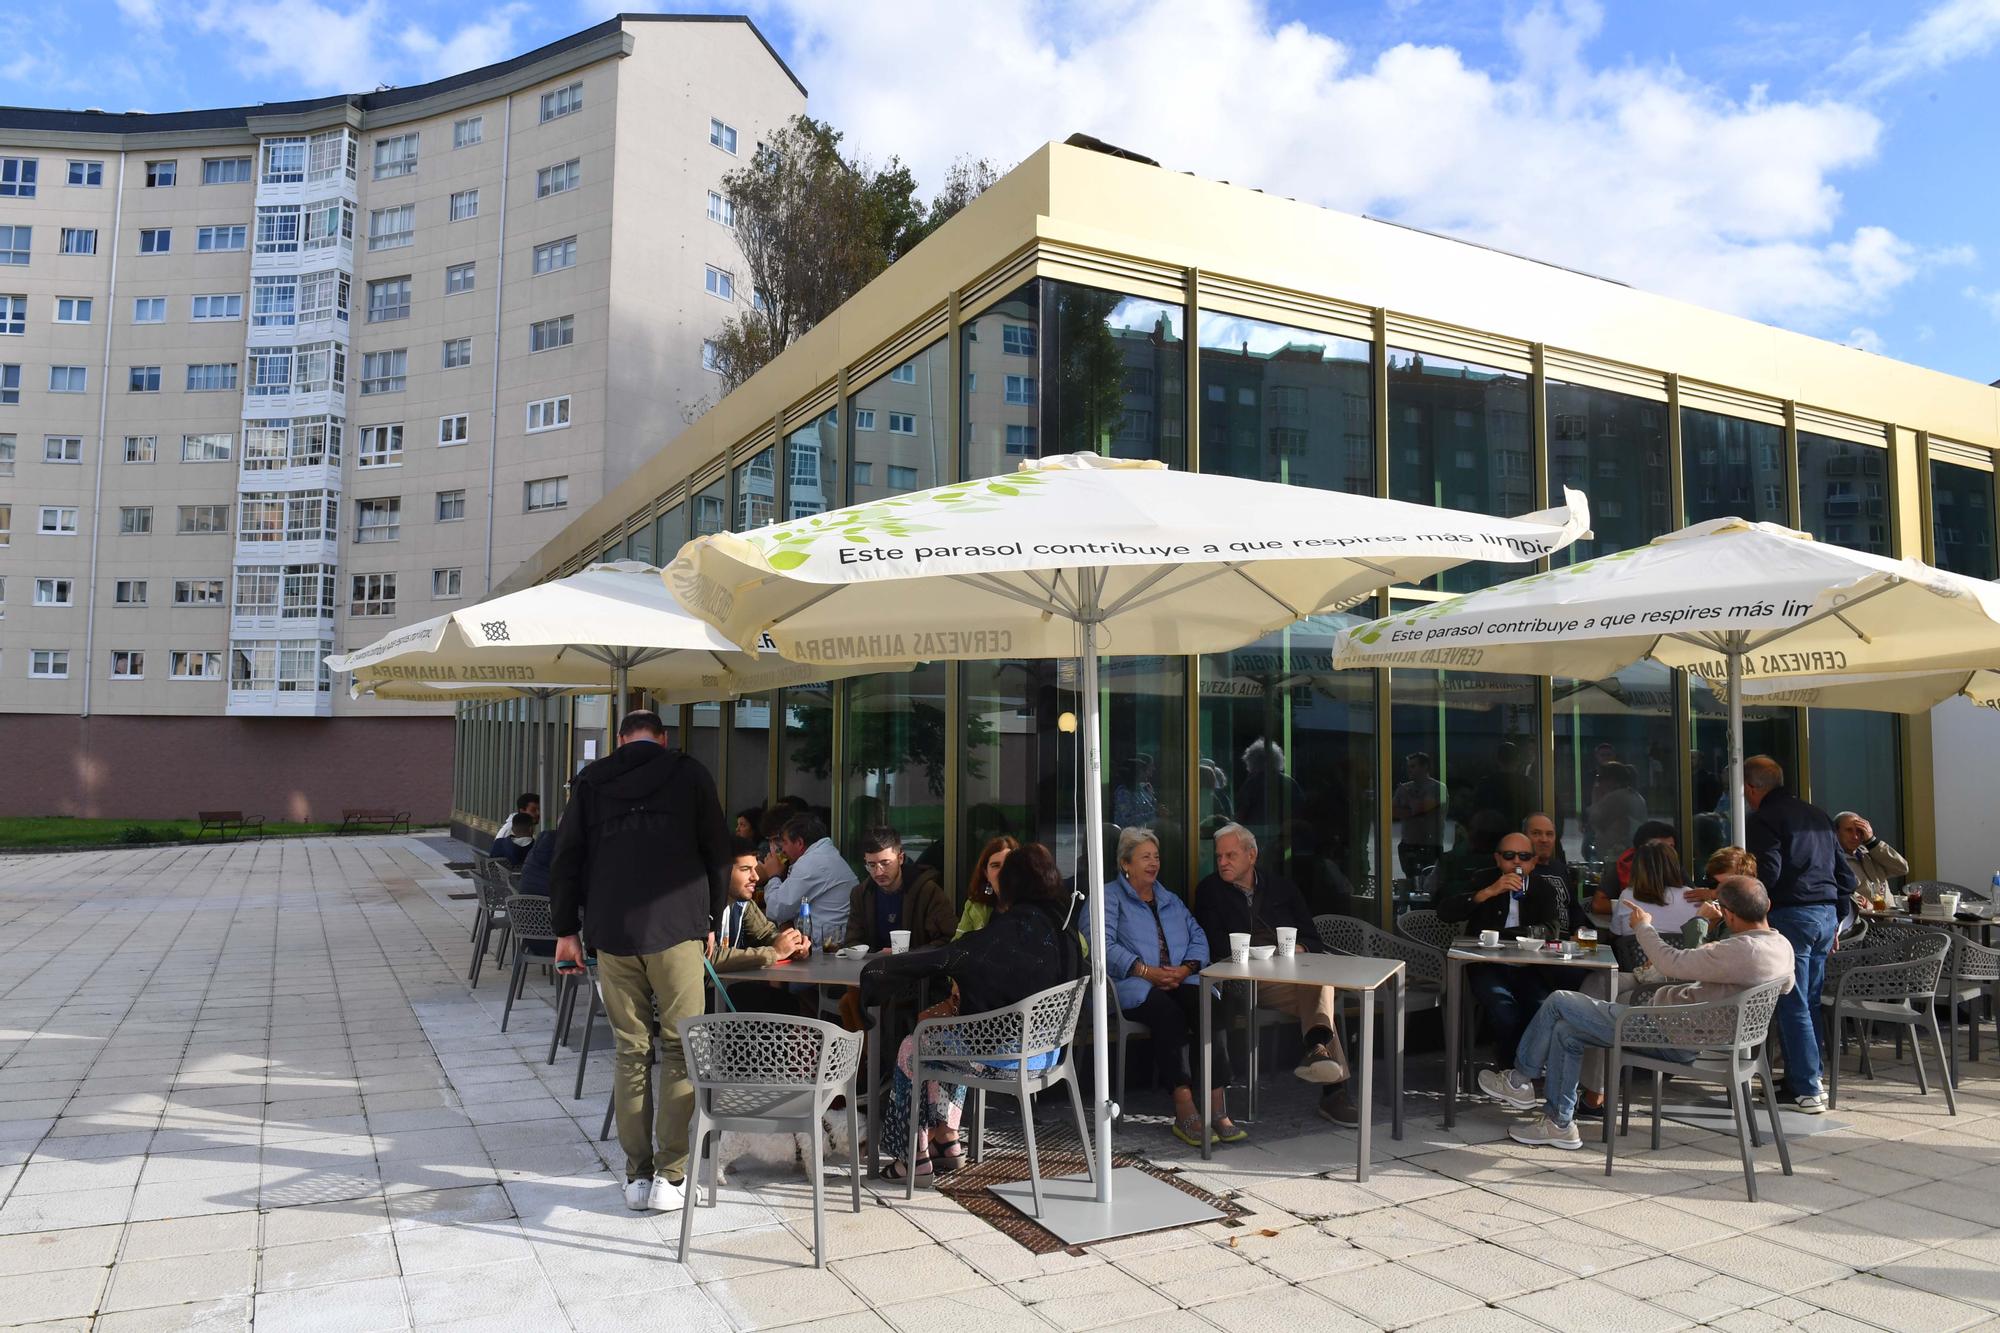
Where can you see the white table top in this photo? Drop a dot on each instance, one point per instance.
(1310, 969)
(1507, 954)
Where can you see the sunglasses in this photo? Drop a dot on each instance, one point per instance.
(1517, 856)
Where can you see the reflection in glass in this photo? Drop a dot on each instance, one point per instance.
(1286, 405)
(899, 436)
(1111, 374)
(1962, 519)
(810, 459)
(1019, 774)
(1001, 418)
(1465, 749)
(1730, 466)
(669, 534)
(805, 765)
(1844, 492)
(1613, 448)
(1766, 730)
(896, 756)
(1143, 723)
(749, 756)
(756, 491)
(1288, 751)
(709, 508)
(704, 740)
(1857, 765)
(1617, 760)
(1459, 439)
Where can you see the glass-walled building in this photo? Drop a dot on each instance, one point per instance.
(1091, 303)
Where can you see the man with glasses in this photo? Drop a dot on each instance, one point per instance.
(1507, 897)
(897, 894)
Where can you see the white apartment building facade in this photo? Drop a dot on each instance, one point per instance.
(276, 379)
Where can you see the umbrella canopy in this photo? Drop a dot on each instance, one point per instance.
(1727, 599)
(1073, 556)
(1881, 692)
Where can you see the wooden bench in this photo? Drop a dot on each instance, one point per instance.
(227, 824)
(387, 821)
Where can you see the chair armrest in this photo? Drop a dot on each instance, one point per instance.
(1709, 1024)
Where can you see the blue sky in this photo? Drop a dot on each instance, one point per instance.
(1825, 166)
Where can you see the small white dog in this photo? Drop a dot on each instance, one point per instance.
(777, 1154)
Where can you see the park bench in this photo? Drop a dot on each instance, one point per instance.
(227, 824)
(360, 821)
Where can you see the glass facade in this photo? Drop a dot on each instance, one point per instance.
(895, 760)
(1732, 467)
(1617, 759)
(1844, 493)
(897, 432)
(1466, 751)
(1112, 375)
(1285, 404)
(1857, 765)
(1962, 519)
(1612, 447)
(1459, 438)
(1766, 730)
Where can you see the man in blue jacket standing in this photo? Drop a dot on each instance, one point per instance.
(1800, 862)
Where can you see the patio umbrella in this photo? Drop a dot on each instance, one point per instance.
(1881, 692)
(1727, 599)
(1073, 556)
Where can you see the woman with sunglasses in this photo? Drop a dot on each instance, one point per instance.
(1508, 896)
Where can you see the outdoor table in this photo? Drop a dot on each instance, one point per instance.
(1982, 921)
(1342, 972)
(1600, 967)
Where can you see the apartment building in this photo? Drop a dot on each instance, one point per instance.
(275, 379)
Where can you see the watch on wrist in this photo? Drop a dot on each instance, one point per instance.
(1872, 843)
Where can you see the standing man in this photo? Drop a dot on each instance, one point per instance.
(1419, 812)
(642, 865)
(1873, 861)
(814, 872)
(1801, 863)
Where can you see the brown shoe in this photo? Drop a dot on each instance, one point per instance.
(1321, 1065)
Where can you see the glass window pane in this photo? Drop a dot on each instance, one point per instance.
(749, 756)
(1613, 448)
(704, 740)
(1857, 765)
(1766, 730)
(999, 347)
(899, 438)
(895, 756)
(1732, 467)
(810, 456)
(670, 534)
(1458, 439)
(1019, 773)
(805, 768)
(756, 492)
(1617, 762)
(1288, 751)
(1285, 404)
(1143, 720)
(1844, 492)
(1110, 379)
(1962, 520)
(710, 507)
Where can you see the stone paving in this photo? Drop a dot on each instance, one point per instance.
(248, 1085)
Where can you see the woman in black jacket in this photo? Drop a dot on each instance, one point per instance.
(1028, 947)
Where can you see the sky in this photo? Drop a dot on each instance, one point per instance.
(1824, 165)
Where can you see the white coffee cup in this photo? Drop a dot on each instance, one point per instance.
(899, 941)
(1288, 941)
(1239, 948)
(1489, 938)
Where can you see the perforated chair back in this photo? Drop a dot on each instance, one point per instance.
(494, 889)
(1737, 1022)
(1931, 888)
(1426, 927)
(1906, 970)
(1423, 964)
(530, 916)
(1971, 962)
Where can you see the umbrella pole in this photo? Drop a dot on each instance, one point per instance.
(1093, 817)
(1739, 818)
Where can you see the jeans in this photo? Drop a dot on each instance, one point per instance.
(1567, 1027)
(1510, 995)
(1801, 1026)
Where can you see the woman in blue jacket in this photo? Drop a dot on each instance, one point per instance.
(1156, 950)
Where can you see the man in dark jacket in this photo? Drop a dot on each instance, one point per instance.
(1508, 896)
(642, 867)
(1800, 861)
(1240, 899)
(897, 894)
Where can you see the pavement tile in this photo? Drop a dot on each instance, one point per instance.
(317, 1263)
(1394, 1296)
(143, 1283)
(1893, 1306)
(60, 1293)
(373, 1305)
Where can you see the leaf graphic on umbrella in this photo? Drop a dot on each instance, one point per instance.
(784, 546)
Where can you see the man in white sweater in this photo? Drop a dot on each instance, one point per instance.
(1569, 1025)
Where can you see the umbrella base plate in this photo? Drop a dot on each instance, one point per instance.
(1139, 1203)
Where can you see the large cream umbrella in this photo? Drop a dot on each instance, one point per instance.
(1728, 600)
(1881, 692)
(1071, 557)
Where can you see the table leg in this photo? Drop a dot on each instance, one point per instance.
(875, 1100)
(1453, 977)
(1396, 1053)
(1951, 1062)
(1367, 1117)
(1207, 1073)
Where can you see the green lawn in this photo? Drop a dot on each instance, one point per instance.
(60, 831)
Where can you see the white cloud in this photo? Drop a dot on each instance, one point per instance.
(1944, 34)
(1867, 339)
(1989, 301)
(329, 48)
(145, 13)
(1636, 171)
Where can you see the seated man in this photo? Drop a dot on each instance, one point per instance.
(516, 836)
(1550, 859)
(535, 870)
(745, 939)
(896, 895)
(815, 874)
(1873, 861)
(1508, 895)
(1240, 899)
(1572, 1025)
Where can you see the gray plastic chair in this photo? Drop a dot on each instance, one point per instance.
(1891, 983)
(528, 922)
(1970, 973)
(479, 860)
(495, 887)
(769, 1074)
(1729, 1038)
(965, 1050)
(1425, 927)
(1933, 887)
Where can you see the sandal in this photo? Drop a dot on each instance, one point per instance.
(1228, 1131)
(1187, 1128)
(947, 1157)
(899, 1170)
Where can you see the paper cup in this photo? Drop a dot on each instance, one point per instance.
(899, 941)
(1947, 903)
(1288, 941)
(1239, 947)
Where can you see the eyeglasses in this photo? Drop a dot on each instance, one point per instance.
(1517, 856)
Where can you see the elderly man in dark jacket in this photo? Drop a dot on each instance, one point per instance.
(1803, 867)
(1508, 896)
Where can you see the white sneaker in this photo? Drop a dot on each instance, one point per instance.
(1543, 1132)
(638, 1195)
(669, 1195)
(1509, 1087)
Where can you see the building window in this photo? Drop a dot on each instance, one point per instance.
(152, 240)
(308, 592)
(202, 520)
(75, 241)
(555, 255)
(207, 448)
(141, 448)
(10, 385)
(1017, 339)
(1021, 441)
(135, 521)
(197, 592)
(13, 315)
(460, 278)
(562, 102)
(278, 229)
(864, 418)
(558, 178)
(68, 379)
(447, 584)
(388, 299)
(904, 374)
(208, 240)
(48, 663)
(721, 210)
(212, 377)
(62, 449)
(467, 132)
(384, 372)
(548, 414)
(129, 592)
(313, 516)
(324, 296)
(194, 664)
(381, 446)
(451, 506)
(1021, 390)
(389, 228)
(160, 175)
(6, 524)
(547, 493)
(227, 305)
(54, 592)
(902, 423)
(464, 205)
(547, 334)
(14, 244)
(719, 283)
(57, 521)
(374, 595)
(225, 171)
(149, 310)
(722, 136)
(144, 379)
(17, 177)
(258, 589)
(274, 301)
(454, 429)
(902, 478)
(329, 224)
(711, 356)
(127, 664)
(457, 352)
(332, 153)
(72, 310)
(6, 455)
(395, 155)
(284, 161)
(260, 517)
(378, 520)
